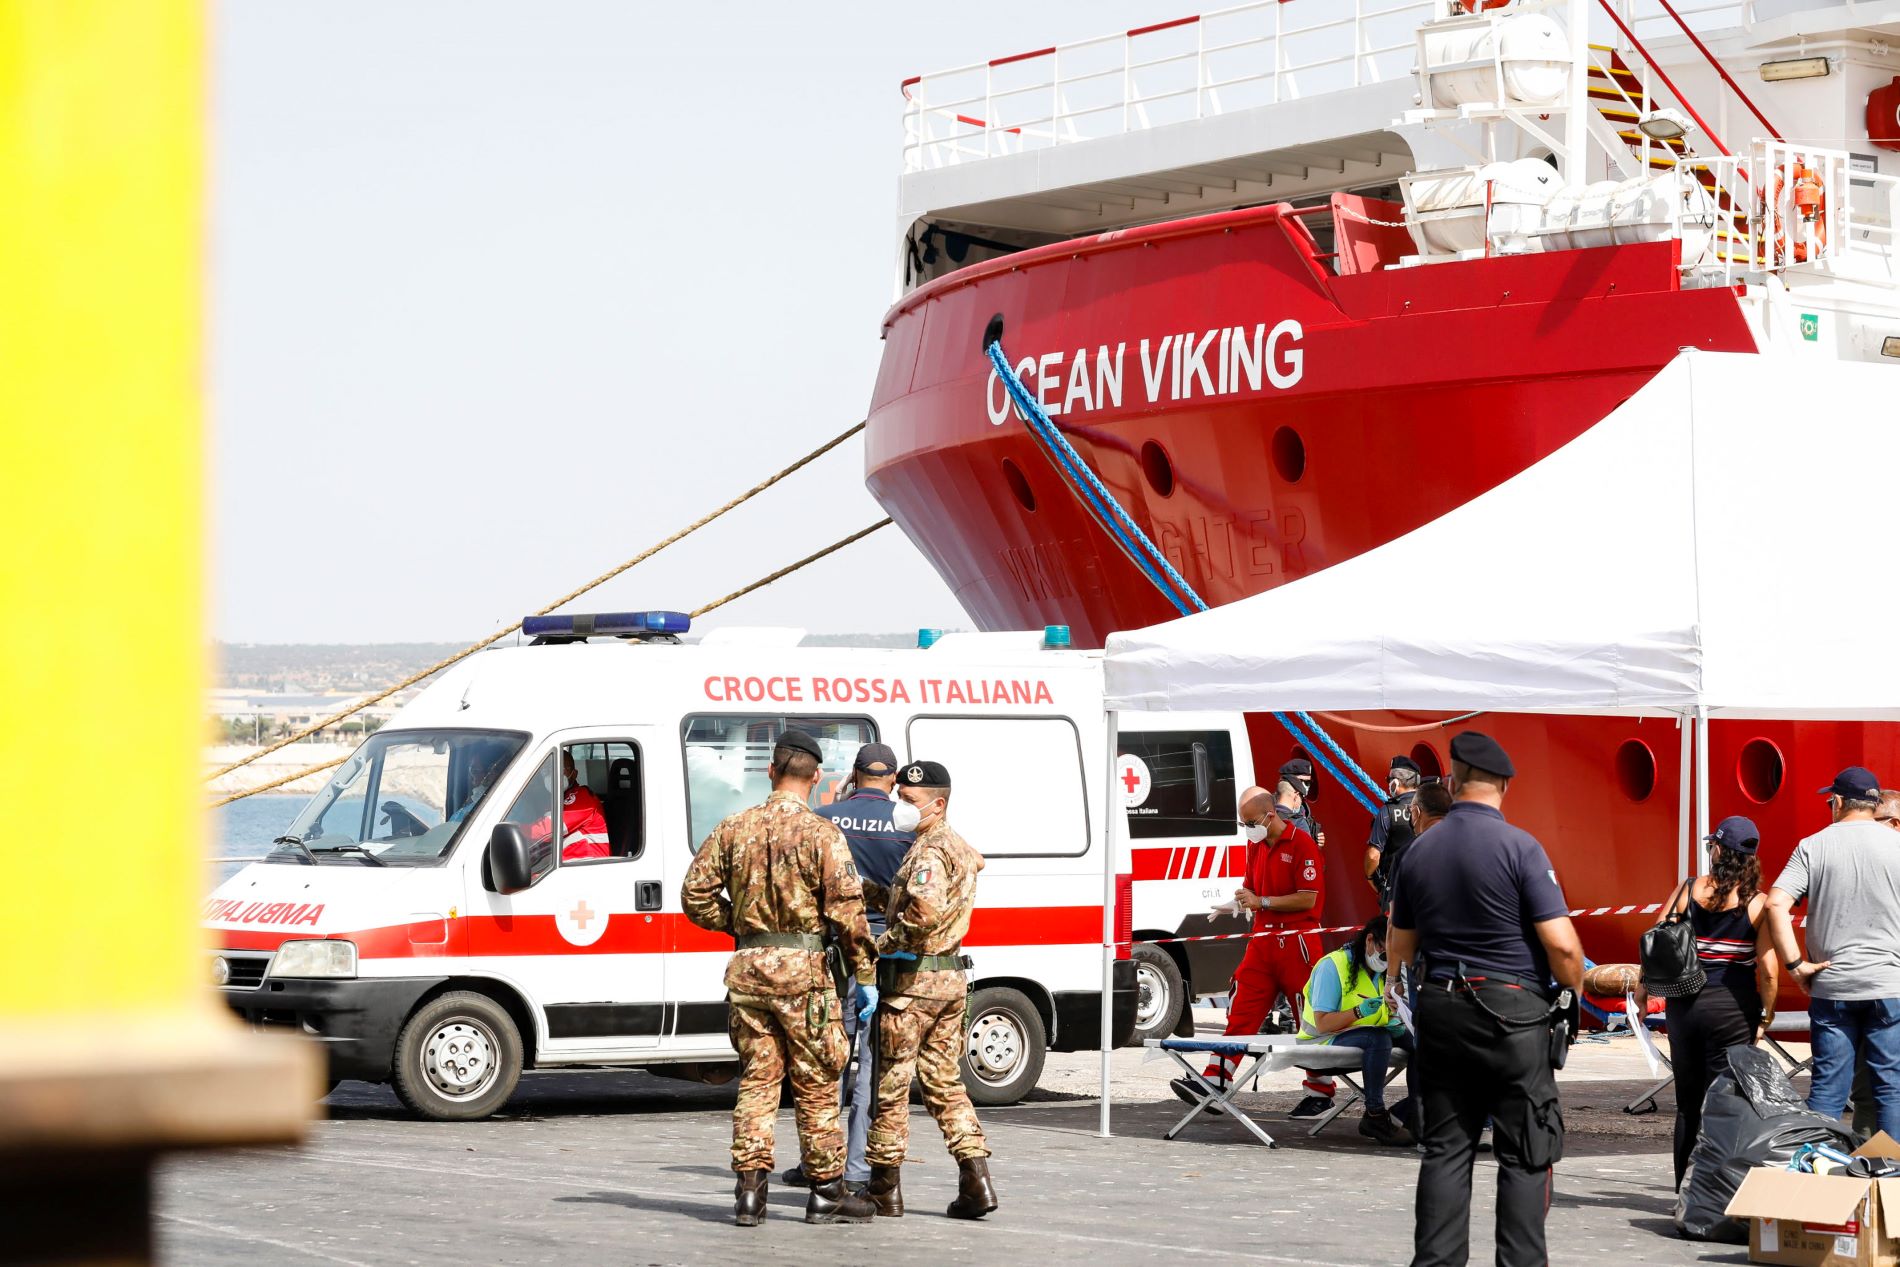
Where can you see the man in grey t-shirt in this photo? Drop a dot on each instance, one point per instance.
(1850, 874)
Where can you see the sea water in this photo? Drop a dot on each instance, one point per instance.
(245, 829)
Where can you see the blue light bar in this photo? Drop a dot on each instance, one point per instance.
(606, 624)
(928, 637)
(1056, 637)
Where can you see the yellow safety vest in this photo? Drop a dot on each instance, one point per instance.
(1352, 992)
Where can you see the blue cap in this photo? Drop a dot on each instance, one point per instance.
(1736, 834)
(1855, 783)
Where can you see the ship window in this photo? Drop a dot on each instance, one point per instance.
(1156, 466)
(1429, 766)
(1758, 770)
(1019, 485)
(1636, 769)
(1289, 454)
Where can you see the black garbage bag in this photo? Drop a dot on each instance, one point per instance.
(1752, 1116)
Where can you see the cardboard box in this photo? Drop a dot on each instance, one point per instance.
(1822, 1220)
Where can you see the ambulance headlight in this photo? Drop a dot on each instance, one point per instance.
(315, 959)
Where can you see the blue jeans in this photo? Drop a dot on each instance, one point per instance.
(859, 1098)
(1842, 1028)
(1377, 1044)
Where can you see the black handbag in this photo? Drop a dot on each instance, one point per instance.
(1670, 967)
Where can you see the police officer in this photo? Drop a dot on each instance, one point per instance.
(1296, 797)
(1391, 827)
(865, 814)
(924, 1026)
(780, 880)
(1478, 914)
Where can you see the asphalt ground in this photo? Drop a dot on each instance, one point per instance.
(622, 1167)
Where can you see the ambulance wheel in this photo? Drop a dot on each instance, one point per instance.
(1007, 1046)
(458, 1058)
(1160, 994)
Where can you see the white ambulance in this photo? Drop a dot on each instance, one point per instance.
(434, 923)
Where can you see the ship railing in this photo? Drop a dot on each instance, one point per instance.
(1652, 21)
(1249, 55)
(1764, 229)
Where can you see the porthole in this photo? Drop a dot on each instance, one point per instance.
(1156, 466)
(1019, 485)
(1289, 454)
(1429, 766)
(1636, 769)
(1758, 770)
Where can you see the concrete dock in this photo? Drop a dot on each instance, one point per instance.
(628, 1168)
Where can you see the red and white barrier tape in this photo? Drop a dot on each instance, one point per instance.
(1579, 913)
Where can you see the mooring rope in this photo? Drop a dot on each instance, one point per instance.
(566, 598)
(697, 612)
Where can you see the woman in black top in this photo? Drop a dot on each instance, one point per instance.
(1733, 948)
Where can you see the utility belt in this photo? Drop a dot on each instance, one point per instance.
(1561, 1015)
(889, 971)
(817, 1007)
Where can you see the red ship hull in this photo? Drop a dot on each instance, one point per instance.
(1385, 400)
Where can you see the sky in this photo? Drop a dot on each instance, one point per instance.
(502, 294)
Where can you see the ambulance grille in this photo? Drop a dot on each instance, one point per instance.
(247, 970)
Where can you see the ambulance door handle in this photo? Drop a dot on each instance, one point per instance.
(646, 895)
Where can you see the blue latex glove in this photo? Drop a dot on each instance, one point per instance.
(1369, 1008)
(867, 1002)
(899, 954)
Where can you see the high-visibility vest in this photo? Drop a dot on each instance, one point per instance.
(1353, 990)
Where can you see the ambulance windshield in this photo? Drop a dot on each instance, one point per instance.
(400, 799)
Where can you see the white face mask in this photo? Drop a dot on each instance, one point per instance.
(1376, 962)
(1256, 832)
(905, 816)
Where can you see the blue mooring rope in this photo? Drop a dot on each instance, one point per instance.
(1142, 552)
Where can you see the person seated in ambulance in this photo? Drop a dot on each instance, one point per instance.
(484, 766)
(583, 818)
(1347, 1005)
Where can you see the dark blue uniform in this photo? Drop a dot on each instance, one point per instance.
(1391, 833)
(1472, 888)
(877, 848)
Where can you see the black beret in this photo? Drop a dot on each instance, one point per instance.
(799, 741)
(1481, 752)
(924, 774)
(1403, 762)
(1298, 766)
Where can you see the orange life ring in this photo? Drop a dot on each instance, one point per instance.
(1472, 6)
(1809, 204)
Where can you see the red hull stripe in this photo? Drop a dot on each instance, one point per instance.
(503, 935)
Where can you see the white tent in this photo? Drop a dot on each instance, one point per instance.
(1715, 545)
(1718, 541)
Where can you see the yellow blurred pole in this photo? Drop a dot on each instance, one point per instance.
(110, 1043)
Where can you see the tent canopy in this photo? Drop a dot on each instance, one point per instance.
(1716, 541)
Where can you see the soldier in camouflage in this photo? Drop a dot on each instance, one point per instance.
(780, 879)
(923, 1026)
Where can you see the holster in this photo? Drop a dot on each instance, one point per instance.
(1566, 1014)
(840, 972)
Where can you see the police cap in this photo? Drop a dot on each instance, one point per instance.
(1403, 762)
(876, 758)
(924, 774)
(1481, 752)
(1298, 766)
(799, 741)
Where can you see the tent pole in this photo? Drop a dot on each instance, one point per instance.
(1701, 777)
(1684, 854)
(1109, 817)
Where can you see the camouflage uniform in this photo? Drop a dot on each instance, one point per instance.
(921, 1025)
(786, 871)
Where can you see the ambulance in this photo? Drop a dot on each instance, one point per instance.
(438, 919)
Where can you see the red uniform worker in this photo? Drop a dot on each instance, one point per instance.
(583, 819)
(1286, 891)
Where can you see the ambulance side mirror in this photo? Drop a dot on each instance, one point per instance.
(508, 863)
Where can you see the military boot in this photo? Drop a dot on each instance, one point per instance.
(886, 1191)
(831, 1202)
(748, 1205)
(976, 1195)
